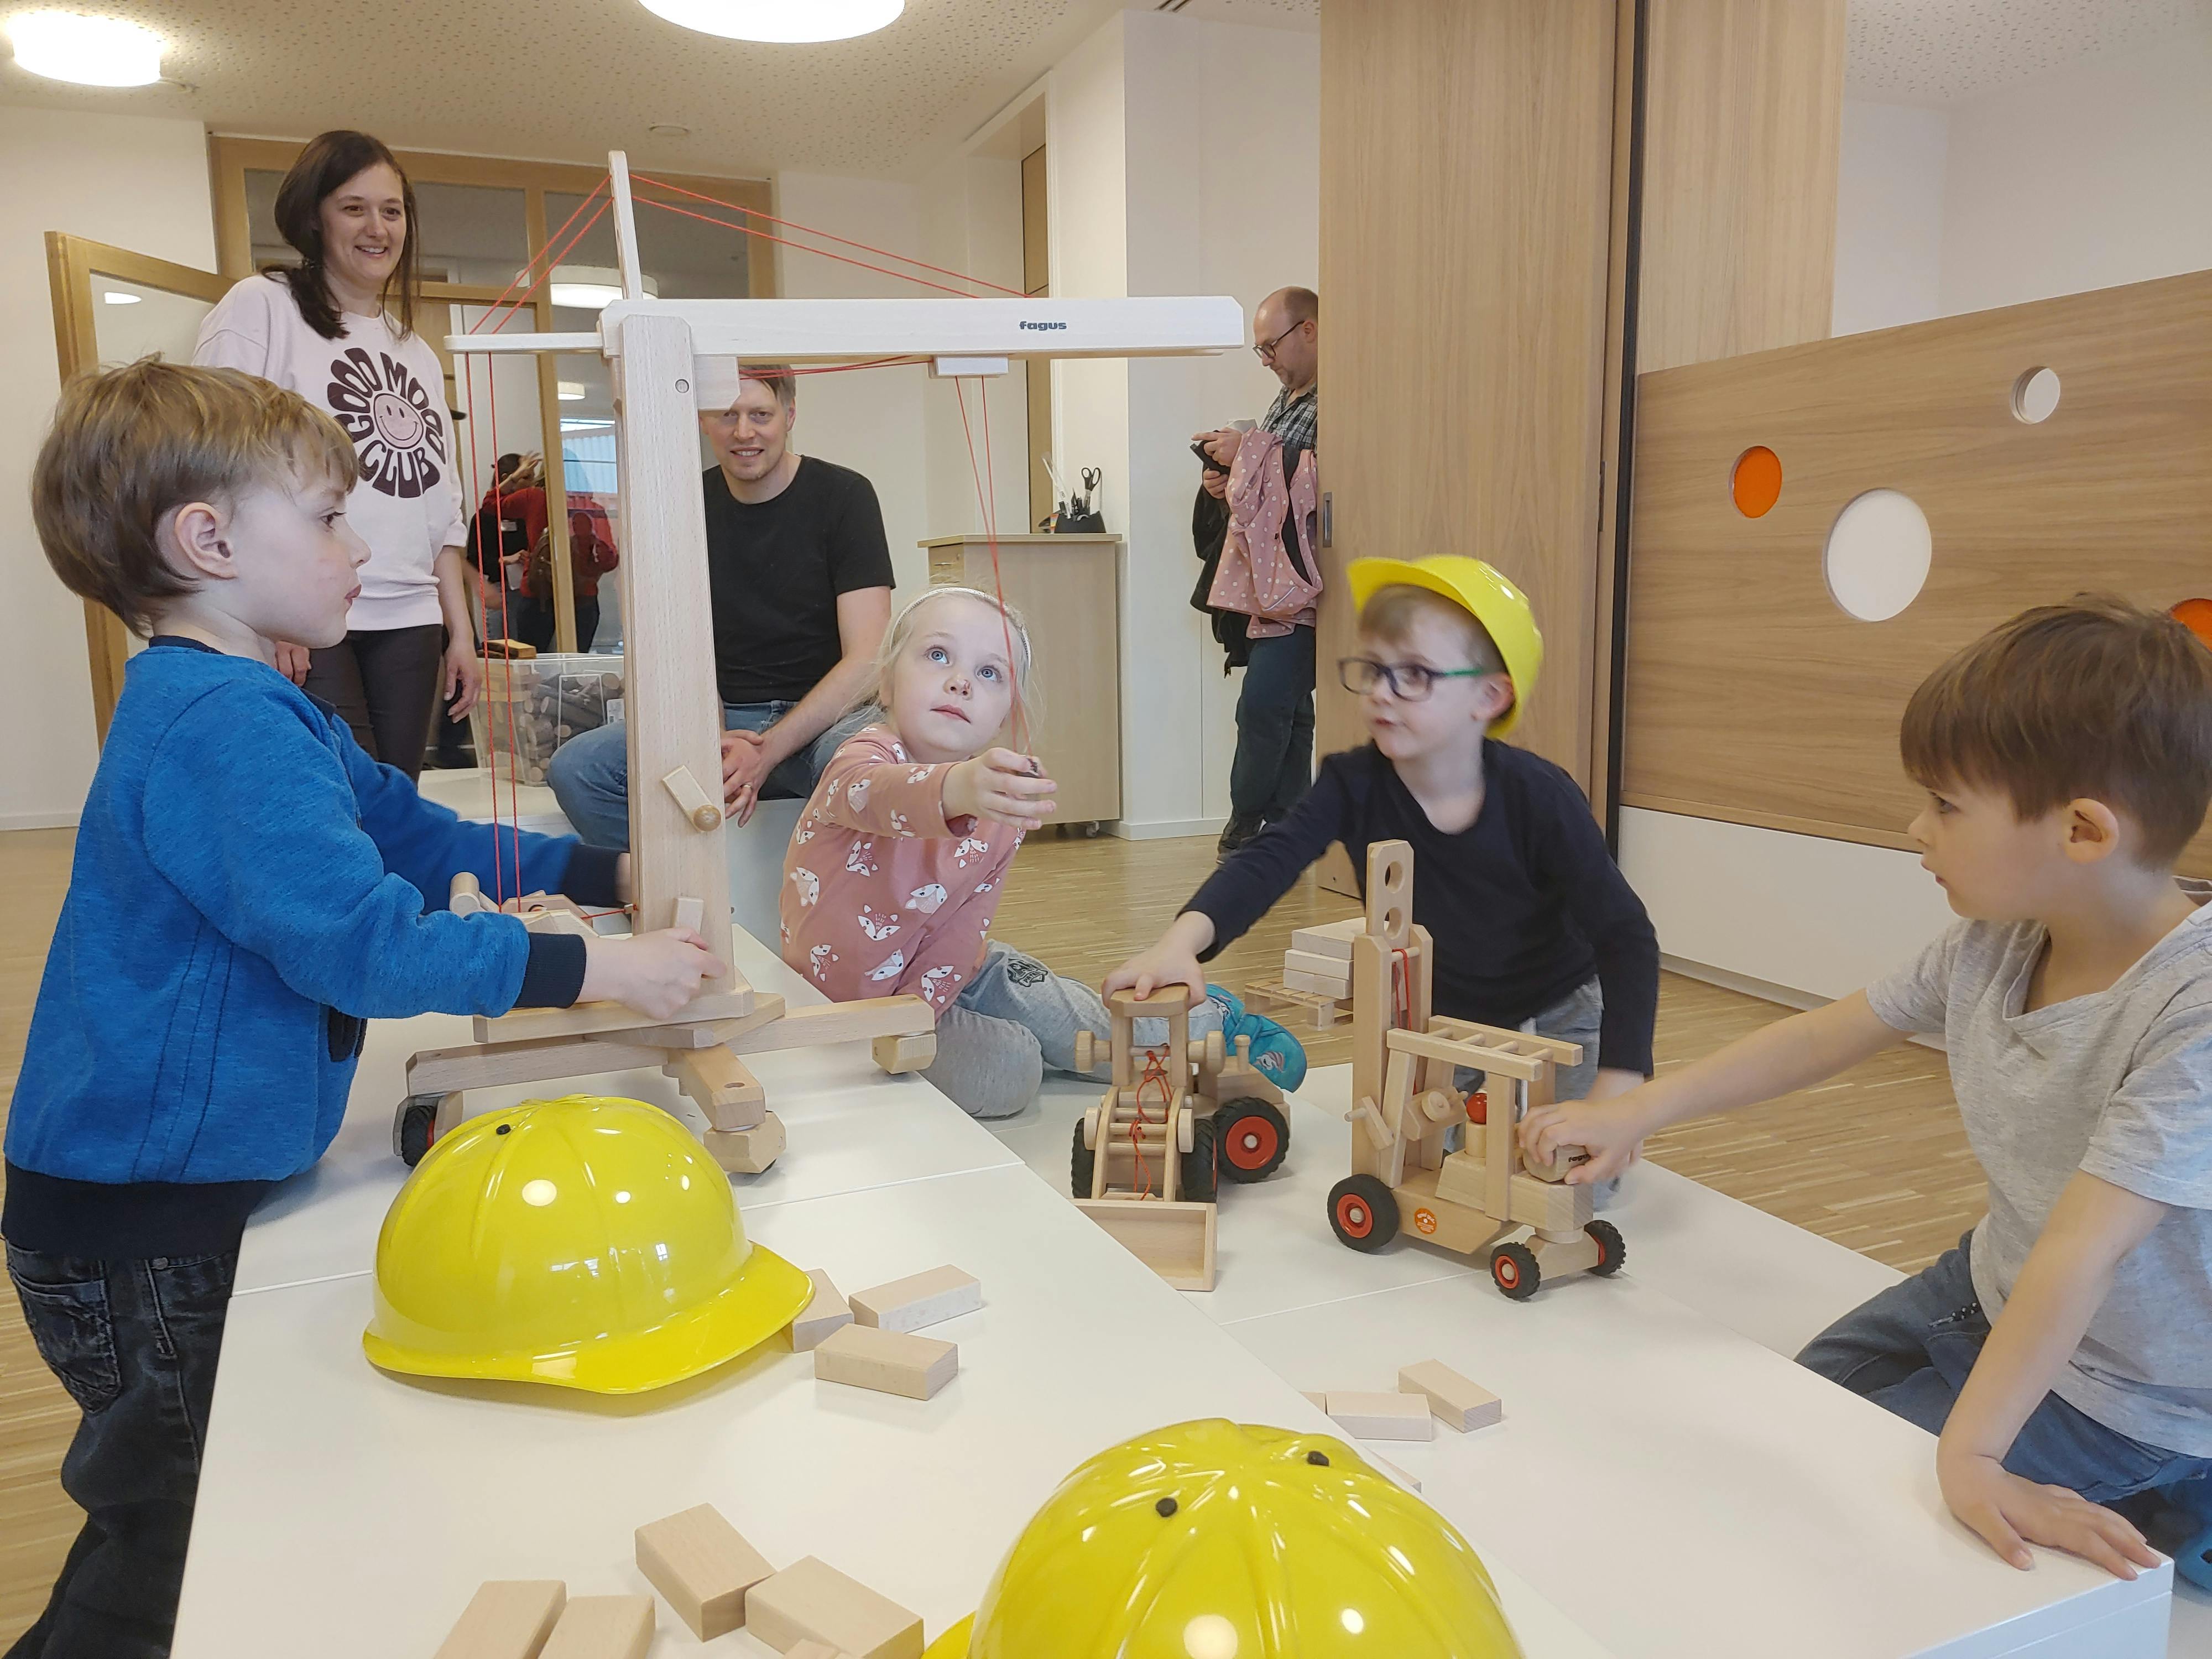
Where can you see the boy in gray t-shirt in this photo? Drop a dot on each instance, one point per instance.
(2063, 1351)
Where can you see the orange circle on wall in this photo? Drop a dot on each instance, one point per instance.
(2195, 615)
(1757, 484)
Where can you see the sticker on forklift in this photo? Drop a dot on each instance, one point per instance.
(1425, 1220)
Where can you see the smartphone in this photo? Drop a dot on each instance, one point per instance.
(1199, 450)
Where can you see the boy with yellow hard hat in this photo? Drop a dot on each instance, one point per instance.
(1533, 921)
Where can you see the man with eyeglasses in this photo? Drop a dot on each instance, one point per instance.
(1273, 764)
(800, 577)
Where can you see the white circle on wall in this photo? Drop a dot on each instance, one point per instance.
(1878, 554)
(2034, 395)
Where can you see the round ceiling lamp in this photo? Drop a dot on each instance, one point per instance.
(91, 51)
(780, 21)
(589, 288)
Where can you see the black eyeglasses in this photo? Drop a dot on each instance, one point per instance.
(1409, 682)
(1264, 352)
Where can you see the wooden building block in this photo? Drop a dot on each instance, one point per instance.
(1319, 985)
(810, 1601)
(827, 1312)
(1383, 1416)
(1404, 1478)
(702, 1567)
(505, 1619)
(746, 1152)
(526, 1023)
(720, 1084)
(1332, 939)
(916, 1052)
(1318, 1401)
(889, 1362)
(691, 913)
(1460, 1403)
(1310, 962)
(602, 1627)
(1175, 1239)
(919, 1299)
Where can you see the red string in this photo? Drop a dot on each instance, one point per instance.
(755, 213)
(1155, 1076)
(548, 249)
(882, 270)
(476, 550)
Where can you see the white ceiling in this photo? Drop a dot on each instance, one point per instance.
(1943, 51)
(568, 80)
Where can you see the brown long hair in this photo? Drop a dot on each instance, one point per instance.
(329, 159)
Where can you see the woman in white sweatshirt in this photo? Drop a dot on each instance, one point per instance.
(326, 328)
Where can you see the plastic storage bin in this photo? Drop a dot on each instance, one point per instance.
(530, 708)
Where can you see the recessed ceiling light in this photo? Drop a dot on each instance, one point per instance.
(668, 130)
(780, 21)
(116, 297)
(572, 392)
(92, 51)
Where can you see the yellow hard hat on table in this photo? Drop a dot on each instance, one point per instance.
(1214, 1540)
(1482, 590)
(586, 1242)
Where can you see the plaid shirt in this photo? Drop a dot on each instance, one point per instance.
(1296, 421)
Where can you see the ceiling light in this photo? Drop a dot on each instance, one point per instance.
(589, 288)
(572, 392)
(780, 21)
(668, 130)
(117, 297)
(93, 51)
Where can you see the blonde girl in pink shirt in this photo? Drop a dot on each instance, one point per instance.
(895, 869)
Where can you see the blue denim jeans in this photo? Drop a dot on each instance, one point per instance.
(135, 1343)
(590, 773)
(1908, 1351)
(1014, 1018)
(1273, 766)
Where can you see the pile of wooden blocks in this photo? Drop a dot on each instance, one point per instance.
(867, 1341)
(715, 1582)
(1317, 973)
(1427, 1394)
(529, 708)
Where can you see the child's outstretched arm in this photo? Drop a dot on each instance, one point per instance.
(865, 788)
(1787, 1055)
(2091, 1229)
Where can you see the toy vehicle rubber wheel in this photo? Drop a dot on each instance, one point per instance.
(1201, 1169)
(415, 1128)
(1513, 1269)
(1364, 1212)
(1082, 1165)
(1612, 1248)
(1253, 1137)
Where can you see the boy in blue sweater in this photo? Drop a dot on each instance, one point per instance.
(1532, 919)
(248, 889)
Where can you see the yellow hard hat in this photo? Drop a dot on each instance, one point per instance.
(1481, 590)
(1214, 1540)
(586, 1242)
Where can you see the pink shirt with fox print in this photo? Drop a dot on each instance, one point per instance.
(881, 893)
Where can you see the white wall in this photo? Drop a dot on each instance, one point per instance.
(1889, 216)
(137, 183)
(1129, 115)
(2097, 174)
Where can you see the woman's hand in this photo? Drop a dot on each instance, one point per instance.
(1002, 785)
(292, 661)
(463, 678)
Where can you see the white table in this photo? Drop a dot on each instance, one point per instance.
(343, 1512)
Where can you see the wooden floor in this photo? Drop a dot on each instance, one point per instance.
(1876, 1160)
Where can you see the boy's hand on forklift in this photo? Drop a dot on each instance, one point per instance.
(656, 974)
(1002, 785)
(1172, 960)
(1609, 1131)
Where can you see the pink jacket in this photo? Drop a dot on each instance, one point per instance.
(1256, 576)
(881, 893)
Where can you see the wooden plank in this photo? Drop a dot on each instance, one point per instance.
(1738, 649)
(602, 1627)
(717, 1082)
(733, 1001)
(1383, 1416)
(919, 1299)
(827, 1312)
(505, 1619)
(1424, 1214)
(487, 1065)
(841, 1022)
(889, 1362)
(1333, 985)
(1320, 963)
(810, 1601)
(671, 707)
(1465, 1178)
(1466, 149)
(1457, 1402)
(1176, 1240)
(1460, 1051)
(702, 1566)
(703, 1034)
(1513, 1042)
(1396, 1109)
(1330, 938)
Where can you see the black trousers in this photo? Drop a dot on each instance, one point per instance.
(383, 682)
(532, 621)
(135, 1343)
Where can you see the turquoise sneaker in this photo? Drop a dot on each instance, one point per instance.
(1275, 1052)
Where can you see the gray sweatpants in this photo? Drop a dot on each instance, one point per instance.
(1574, 1017)
(1015, 1018)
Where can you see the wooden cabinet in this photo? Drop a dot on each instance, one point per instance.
(1067, 590)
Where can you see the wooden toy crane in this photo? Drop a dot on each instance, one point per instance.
(1483, 1199)
(672, 359)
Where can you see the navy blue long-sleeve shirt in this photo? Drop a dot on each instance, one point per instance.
(248, 888)
(1524, 905)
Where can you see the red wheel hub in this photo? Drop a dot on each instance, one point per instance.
(1354, 1217)
(1505, 1271)
(1251, 1141)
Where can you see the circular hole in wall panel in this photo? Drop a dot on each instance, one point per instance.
(2034, 395)
(1757, 482)
(1878, 554)
(2195, 615)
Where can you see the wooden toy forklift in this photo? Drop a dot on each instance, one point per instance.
(1177, 1116)
(1485, 1199)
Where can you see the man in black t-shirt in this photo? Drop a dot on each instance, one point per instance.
(799, 576)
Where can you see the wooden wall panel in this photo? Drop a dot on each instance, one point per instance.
(1743, 112)
(1751, 694)
(1467, 156)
